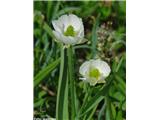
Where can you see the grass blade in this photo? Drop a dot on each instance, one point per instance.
(92, 113)
(95, 100)
(49, 9)
(101, 112)
(62, 95)
(71, 79)
(44, 72)
(108, 109)
(113, 109)
(119, 116)
(94, 37)
(48, 30)
(119, 64)
(56, 8)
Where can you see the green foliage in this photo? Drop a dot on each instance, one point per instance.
(45, 71)
(58, 92)
(95, 100)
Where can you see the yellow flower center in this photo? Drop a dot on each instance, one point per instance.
(94, 73)
(70, 31)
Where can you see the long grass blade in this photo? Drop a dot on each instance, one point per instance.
(94, 37)
(101, 112)
(71, 79)
(44, 72)
(94, 101)
(108, 109)
(47, 28)
(62, 95)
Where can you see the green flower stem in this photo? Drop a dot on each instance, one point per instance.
(71, 79)
(62, 94)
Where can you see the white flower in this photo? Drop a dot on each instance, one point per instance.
(94, 71)
(69, 29)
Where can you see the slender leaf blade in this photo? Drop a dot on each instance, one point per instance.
(62, 95)
(95, 100)
(44, 72)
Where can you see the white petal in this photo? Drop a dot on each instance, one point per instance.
(102, 66)
(57, 35)
(75, 21)
(70, 40)
(84, 68)
(64, 21)
(81, 31)
(58, 26)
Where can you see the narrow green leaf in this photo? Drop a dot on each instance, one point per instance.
(48, 30)
(65, 108)
(44, 72)
(113, 111)
(41, 94)
(114, 65)
(88, 92)
(119, 64)
(94, 37)
(119, 116)
(121, 91)
(71, 79)
(118, 96)
(62, 95)
(108, 109)
(90, 115)
(121, 85)
(49, 9)
(101, 112)
(38, 103)
(95, 100)
(121, 81)
(56, 8)
(124, 106)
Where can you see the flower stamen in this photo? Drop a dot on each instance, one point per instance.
(70, 31)
(94, 73)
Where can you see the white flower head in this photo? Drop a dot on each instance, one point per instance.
(94, 71)
(69, 29)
